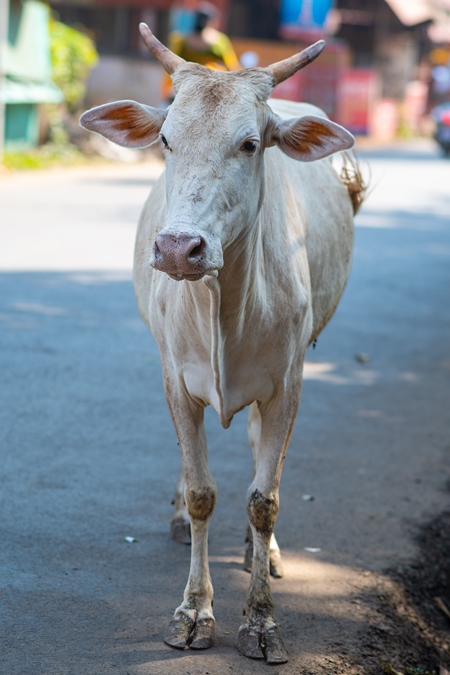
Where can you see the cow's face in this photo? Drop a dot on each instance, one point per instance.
(213, 137)
(213, 141)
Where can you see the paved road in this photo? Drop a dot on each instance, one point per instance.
(89, 455)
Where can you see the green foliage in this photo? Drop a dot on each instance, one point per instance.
(389, 670)
(73, 55)
(43, 157)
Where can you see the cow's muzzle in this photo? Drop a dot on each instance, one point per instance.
(181, 256)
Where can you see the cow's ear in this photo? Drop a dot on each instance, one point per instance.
(310, 137)
(127, 123)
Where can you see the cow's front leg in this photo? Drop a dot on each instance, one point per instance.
(254, 436)
(259, 637)
(180, 525)
(193, 621)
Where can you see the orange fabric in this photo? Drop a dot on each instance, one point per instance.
(220, 56)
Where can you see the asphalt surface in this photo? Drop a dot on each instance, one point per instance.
(89, 456)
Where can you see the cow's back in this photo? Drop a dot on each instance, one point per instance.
(325, 217)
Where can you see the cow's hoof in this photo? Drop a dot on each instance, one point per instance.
(273, 647)
(262, 643)
(276, 564)
(203, 634)
(185, 632)
(179, 632)
(180, 530)
(249, 642)
(275, 561)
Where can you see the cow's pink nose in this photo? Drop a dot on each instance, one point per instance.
(179, 253)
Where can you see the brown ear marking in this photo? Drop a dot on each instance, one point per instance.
(134, 121)
(310, 133)
(309, 138)
(125, 122)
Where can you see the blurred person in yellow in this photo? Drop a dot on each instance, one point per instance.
(203, 44)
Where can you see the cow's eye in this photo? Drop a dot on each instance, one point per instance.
(249, 147)
(164, 141)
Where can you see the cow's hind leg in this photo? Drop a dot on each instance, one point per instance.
(180, 525)
(275, 561)
(193, 621)
(259, 637)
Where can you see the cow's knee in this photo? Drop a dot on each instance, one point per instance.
(201, 502)
(262, 512)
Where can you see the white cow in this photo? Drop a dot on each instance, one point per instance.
(242, 254)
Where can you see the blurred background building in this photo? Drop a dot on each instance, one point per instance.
(25, 71)
(386, 63)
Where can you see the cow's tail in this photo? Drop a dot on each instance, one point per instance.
(353, 180)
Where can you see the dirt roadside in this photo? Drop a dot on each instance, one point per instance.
(407, 613)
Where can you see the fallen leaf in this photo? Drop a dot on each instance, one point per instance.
(389, 669)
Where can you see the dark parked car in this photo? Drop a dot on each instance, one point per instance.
(441, 115)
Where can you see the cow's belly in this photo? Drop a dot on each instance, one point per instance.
(232, 391)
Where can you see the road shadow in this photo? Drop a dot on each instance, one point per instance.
(89, 457)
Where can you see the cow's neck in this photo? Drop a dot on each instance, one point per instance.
(229, 294)
(241, 278)
(213, 285)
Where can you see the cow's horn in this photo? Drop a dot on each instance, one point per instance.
(286, 68)
(167, 59)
